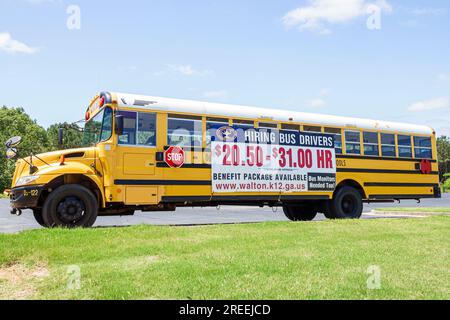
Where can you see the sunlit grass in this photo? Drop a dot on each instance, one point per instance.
(318, 260)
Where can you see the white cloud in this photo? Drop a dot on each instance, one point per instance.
(219, 94)
(443, 77)
(188, 70)
(320, 101)
(316, 103)
(428, 105)
(12, 46)
(428, 11)
(320, 13)
(324, 92)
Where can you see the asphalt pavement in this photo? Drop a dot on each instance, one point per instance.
(200, 216)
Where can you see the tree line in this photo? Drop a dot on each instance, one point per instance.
(36, 139)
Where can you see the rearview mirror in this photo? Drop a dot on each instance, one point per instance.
(11, 153)
(13, 142)
(118, 124)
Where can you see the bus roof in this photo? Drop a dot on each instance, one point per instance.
(125, 100)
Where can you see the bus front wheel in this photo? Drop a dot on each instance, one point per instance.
(347, 203)
(300, 213)
(38, 217)
(70, 206)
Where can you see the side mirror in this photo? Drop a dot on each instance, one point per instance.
(13, 142)
(11, 153)
(118, 120)
(60, 137)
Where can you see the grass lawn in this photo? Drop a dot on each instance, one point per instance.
(318, 260)
(414, 210)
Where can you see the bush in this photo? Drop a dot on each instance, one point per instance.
(447, 182)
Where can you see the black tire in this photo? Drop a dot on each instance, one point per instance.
(346, 204)
(299, 213)
(70, 206)
(327, 214)
(38, 217)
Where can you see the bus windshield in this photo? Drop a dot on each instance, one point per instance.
(99, 128)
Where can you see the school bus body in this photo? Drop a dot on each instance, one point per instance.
(125, 177)
(380, 178)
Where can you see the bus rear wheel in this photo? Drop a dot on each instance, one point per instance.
(346, 204)
(70, 206)
(300, 213)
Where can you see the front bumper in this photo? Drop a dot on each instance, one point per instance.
(25, 197)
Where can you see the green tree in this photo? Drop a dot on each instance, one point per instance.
(443, 146)
(73, 136)
(447, 182)
(15, 122)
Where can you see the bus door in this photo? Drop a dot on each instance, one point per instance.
(136, 156)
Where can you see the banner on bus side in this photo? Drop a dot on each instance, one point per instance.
(269, 160)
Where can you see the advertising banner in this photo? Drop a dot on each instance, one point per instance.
(269, 160)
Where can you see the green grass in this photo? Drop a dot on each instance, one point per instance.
(318, 260)
(414, 210)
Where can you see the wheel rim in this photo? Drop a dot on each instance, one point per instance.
(71, 210)
(348, 205)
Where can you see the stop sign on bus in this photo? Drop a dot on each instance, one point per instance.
(174, 157)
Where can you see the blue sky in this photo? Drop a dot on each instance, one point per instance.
(305, 55)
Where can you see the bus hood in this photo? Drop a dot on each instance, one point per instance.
(46, 162)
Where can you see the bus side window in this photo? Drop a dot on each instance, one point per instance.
(312, 129)
(290, 127)
(422, 148)
(337, 138)
(352, 142)
(146, 133)
(129, 128)
(264, 125)
(185, 132)
(370, 143)
(211, 127)
(388, 145)
(404, 146)
(243, 124)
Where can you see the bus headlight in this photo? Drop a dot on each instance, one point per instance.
(26, 180)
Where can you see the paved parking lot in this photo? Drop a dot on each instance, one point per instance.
(195, 216)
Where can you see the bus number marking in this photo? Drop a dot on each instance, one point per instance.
(341, 163)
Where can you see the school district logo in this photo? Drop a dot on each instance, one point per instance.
(226, 134)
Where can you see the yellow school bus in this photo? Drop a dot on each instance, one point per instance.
(150, 153)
